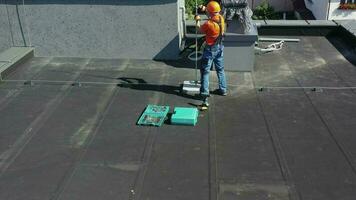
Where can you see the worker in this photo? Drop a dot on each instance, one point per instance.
(214, 29)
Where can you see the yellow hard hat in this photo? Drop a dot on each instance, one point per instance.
(213, 7)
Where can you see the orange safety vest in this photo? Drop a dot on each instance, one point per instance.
(214, 29)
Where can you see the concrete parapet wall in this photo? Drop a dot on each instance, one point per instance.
(104, 29)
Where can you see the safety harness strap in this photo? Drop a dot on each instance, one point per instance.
(219, 39)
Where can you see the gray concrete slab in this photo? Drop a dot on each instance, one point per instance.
(327, 23)
(3, 64)
(12, 57)
(14, 53)
(349, 25)
(310, 23)
(286, 22)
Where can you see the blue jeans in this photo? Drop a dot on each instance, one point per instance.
(212, 54)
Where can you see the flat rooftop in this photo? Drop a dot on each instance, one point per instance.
(293, 139)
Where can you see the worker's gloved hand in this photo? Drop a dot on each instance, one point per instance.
(197, 18)
(201, 9)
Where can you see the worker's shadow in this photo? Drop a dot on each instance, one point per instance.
(140, 84)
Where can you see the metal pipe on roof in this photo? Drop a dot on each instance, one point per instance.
(278, 39)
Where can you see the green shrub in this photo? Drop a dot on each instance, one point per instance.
(264, 11)
(190, 7)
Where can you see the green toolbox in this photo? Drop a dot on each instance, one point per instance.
(153, 115)
(185, 116)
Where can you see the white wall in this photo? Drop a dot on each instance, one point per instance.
(335, 13)
(320, 10)
(279, 5)
(318, 7)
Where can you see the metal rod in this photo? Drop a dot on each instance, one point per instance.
(278, 39)
(196, 43)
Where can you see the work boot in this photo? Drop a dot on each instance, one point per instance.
(223, 93)
(205, 102)
(220, 92)
(205, 105)
(204, 95)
